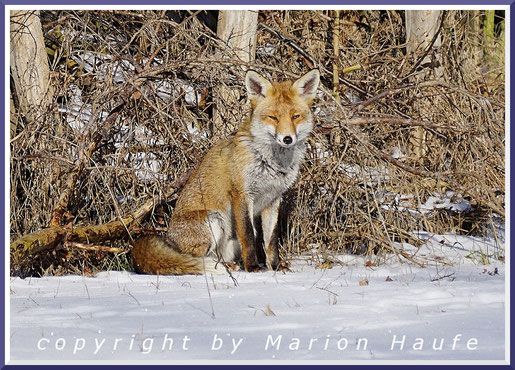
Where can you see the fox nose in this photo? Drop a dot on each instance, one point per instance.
(287, 140)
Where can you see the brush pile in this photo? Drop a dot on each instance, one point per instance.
(135, 98)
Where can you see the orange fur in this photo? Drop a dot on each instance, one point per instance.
(239, 179)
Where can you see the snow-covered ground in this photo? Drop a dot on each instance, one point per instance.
(392, 311)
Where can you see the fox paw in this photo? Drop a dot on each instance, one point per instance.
(231, 266)
(255, 268)
(283, 266)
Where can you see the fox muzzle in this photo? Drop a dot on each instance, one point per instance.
(286, 141)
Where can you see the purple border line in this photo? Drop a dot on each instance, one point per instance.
(262, 2)
(223, 3)
(511, 326)
(2, 189)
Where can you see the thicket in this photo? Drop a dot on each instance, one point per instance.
(134, 101)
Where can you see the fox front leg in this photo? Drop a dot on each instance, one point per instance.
(270, 234)
(245, 232)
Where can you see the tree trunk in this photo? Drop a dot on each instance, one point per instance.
(238, 29)
(13, 116)
(29, 64)
(493, 45)
(421, 27)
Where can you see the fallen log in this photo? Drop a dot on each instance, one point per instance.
(89, 247)
(49, 238)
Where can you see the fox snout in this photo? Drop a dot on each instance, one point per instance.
(287, 140)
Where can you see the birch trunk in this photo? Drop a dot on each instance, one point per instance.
(29, 64)
(421, 27)
(238, 29)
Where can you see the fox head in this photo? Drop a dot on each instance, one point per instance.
(281, 110)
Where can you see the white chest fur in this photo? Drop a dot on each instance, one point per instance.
(273, 170)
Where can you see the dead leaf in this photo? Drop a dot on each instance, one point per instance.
(136, 95)
(269, 311)
(325, 265)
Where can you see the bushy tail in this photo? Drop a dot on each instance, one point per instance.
(154, 255)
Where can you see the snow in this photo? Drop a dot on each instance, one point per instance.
(355, 311)
(148, 167)
(358, 310)
(78, 113)
(104, 65)
(268, 49)
(440, 201)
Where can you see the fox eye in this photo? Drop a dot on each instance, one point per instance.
(295, 116)
(273, 118)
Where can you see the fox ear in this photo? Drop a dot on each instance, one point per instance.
(257, 86)
(307, 85)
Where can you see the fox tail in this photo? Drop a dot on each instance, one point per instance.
(155, 255)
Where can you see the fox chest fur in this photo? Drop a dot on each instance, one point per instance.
(272, 171)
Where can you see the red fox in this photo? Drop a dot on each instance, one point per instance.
(239, 179)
